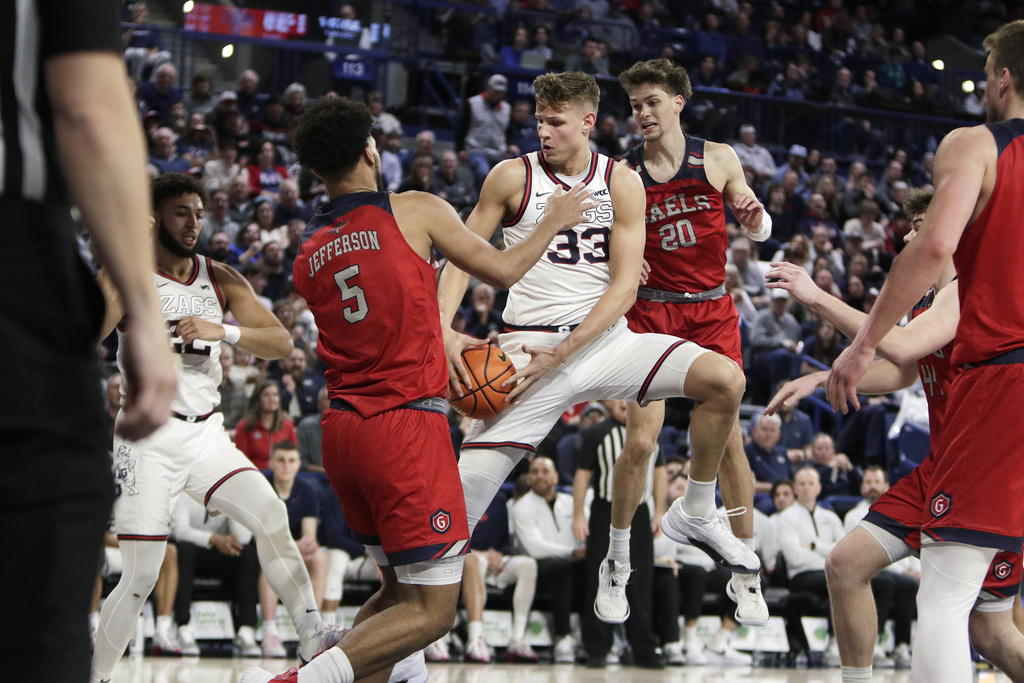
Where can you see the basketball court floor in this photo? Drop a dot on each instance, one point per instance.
(194, 670)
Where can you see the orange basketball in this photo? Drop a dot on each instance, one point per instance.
(488, 367)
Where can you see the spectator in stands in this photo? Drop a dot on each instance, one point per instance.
(709, 41)
(791, 84)
(483, 321)
(219, 170)
(144, 51)
(200, 97)
(165, 158)
(346, 557)
(390, 164)
(906, 574)
(705, 117)
(302, 498)
(708, 74)
(481, 140)
(884, 187)
(824, 346)
(294, 98)
(219, 547)
(248, 95)
(264, 425)
(265, 174)
(293, 237)
(522, 131)
(591, 58)
(794, 162)
(424, 147)
(683, 576)
(866, 226)
(618, 30)
(782, 496)
(159, 94)
(606, 137)
(279, 277)
(768, 460)
(263, 219)
(837, 475)
(196, 144)
(233, 398)
(219, 247)
(633, 137)
(868, 93)
(797, 433)
(273, 123)
(753, 155)
(289, 205)
(806, 532)
(601, 447)
(300, 386)
(511, 54)
(382, 119)
(740, 299)
(750, 270)
(421, 177)
(310, 435)
(821, 246)
(542, 520)
(495, 564)
(776, 342)
(240, 205)
(542, 42)
(783, 210)
(973, 103)
(569, 444)
(456, 183)
(865, 189)
(819, 217)
(923, 171)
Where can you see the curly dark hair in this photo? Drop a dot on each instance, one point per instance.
(659, 72)
(170, 185)
(331, 135)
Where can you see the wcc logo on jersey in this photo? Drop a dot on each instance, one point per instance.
(1002, 570)
(441, 521)
(941, 503)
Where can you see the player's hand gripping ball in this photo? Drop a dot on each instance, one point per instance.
(488, 367)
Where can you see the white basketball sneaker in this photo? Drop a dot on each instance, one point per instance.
(745, 591)
(611, 605)
(713, 536)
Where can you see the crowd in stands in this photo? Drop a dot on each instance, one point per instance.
(832, 215)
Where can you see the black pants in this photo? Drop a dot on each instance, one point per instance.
(560, 579)
(597, 635)
(901, 607)
(56, 489)
(239, 572)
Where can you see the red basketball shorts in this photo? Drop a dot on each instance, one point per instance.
(398, 482)
(975, 494)
(898, 511)
(714, 325)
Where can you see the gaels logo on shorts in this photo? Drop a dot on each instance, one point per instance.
(441, 521)
(1002, 570)
(941, 502)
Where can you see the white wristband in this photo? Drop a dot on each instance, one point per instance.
(763, 232)
(232, 333)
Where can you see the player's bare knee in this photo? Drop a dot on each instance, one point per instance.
(638, 449)
(721, 382)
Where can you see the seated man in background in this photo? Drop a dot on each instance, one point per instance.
(215, 546)
(542, 520)
(303, 502)
(768, 460)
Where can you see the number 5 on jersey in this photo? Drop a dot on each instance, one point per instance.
(351, 291)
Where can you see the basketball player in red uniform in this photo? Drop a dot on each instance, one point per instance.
(366, 269)
(891, 529)
(688, 182)
(975, 497)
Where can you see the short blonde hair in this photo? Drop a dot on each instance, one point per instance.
(574, 88)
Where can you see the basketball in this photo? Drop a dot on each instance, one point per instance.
(488, 367)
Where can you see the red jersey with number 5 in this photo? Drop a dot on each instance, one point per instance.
(988, 257)
(375, 304)
(937, 373)
(686, 236)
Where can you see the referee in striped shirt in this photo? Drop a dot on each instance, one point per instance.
(600, 448)
(69, 135)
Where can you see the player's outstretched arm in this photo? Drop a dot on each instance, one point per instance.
(745, 205)
(926, 334)
(260, 332)
(626, 251)
(882, 377)
(100, 145)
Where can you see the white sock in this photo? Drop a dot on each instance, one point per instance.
(163, 625)
(691, 636)
(330, 667)
(699, 500)
(476, 629)
(618, 545)
(270, 628)
(853, 674)
(519, 622)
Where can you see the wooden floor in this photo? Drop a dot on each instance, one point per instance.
(195, 670)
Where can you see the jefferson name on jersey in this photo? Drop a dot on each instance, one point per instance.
(342, 244)
(676, 205)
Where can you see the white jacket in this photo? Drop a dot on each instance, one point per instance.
(798, 527)
(541, 531)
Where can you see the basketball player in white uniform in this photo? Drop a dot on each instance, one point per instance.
(566, 332)
(192, 453)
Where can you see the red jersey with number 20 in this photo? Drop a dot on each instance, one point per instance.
(686, 235)
(375, 304)
(937, 373)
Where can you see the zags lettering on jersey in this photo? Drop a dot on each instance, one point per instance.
(183, 305)
(676, 205)
(355, 241)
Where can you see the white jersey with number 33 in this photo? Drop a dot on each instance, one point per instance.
(562, 287)
(197, 364)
